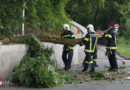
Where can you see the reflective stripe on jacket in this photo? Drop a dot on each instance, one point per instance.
(69, 35)
(90, 42)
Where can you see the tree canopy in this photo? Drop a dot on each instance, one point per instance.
(52, 14)
(43, 14)
(101, 12)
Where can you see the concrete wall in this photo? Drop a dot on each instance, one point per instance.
(75, 31)
(78, 56)
(83, 29)
(10, 56)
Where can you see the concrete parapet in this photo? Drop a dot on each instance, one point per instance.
(10, 56)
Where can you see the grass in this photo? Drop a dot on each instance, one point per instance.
(124, 47)
(122, 67)
(78, 77)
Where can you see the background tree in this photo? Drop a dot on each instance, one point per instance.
(46, 14)
(101, 12)
(84, 11)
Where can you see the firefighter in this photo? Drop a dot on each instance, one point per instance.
(90, 41)
(111, 35)
(67, 54)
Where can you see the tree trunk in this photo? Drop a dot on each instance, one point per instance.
(57, 40)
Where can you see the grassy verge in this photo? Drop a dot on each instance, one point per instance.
(78, 77)
(124, 47)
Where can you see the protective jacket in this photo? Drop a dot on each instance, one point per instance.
(68, 35)
(90, 42)
(111, 39)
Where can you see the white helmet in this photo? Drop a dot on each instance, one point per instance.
(66, 27)
(90, 28)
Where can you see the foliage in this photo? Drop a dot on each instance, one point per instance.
(100, 13)
(107, 76)
(9, 21)
(84, 11)
(97, 76)
(37, 69)
(124, 10)
(36, 48)
(122, 67)
(122, 42)
(46, 14)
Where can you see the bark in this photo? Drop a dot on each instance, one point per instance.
(3, 40)
(18, 39)
(60, 40)
(57, 40)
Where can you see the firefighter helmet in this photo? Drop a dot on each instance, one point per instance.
(66, 27)
(90, 28)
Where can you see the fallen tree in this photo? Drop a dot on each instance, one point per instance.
(58, 40)
(52, 39)
(4, 40)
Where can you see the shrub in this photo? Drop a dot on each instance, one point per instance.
(37, 69)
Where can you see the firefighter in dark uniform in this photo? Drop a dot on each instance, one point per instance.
(111, 35)
(90, 41)
(67, 54)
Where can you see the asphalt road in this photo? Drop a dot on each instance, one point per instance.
(94, 85)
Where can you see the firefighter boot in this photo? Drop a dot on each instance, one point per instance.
(92, 68)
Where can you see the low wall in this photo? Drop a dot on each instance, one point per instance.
(78, 56)
(10, 56)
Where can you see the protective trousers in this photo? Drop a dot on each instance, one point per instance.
(95, 57)
(112, 58)
(88, 61)
(67, 58)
